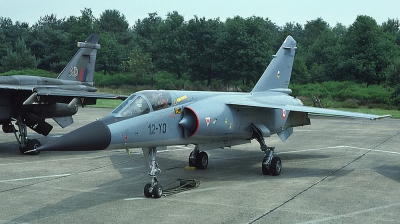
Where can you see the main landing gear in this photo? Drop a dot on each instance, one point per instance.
(271, 165)
(198, 159)
(21, 135)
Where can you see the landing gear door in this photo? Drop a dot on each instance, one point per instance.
(261, 130)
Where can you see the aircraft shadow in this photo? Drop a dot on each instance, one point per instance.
(104, 193)
(389, 171)
(134, 176)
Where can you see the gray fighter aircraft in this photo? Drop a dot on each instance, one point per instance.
(153, 120)
(29, 100)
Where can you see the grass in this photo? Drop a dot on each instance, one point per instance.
(104, 103)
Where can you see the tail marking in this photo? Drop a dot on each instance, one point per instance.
(82, 75)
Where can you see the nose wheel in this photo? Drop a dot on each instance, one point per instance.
(155, 191)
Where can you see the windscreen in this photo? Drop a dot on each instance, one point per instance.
(143, 102)
(137, 107)
(159, 99)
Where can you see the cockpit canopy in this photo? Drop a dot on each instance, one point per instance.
(143, 102)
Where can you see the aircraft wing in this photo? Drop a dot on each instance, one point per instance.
(306, 109)
(76, 93)
(17, 87)
(58, 92)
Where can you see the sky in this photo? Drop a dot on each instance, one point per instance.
(278, 11)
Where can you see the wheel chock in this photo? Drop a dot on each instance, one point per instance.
(190, 168)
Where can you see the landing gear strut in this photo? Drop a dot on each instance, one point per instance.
(198, 159)
(152, 189)
(21, 135)
(271, 165)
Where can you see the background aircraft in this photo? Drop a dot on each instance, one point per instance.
(153, 119)
(29, 100)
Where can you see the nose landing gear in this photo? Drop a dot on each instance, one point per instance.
(152, 189)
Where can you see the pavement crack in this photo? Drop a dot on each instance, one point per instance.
(383, 142)
(322, 179)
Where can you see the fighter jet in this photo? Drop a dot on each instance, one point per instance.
(29, 100)
(155, 119)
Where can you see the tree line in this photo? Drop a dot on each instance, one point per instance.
(208, 50)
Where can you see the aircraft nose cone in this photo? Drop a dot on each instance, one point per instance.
(94, 136)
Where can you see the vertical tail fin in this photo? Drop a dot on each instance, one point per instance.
(81, 66)
(277, 75)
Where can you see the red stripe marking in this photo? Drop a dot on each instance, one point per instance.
(81, 73)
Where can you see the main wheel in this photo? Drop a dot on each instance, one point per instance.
(32, 144)
(276, 166)
(202, 161)
(147, 192)
(7, 128)
(157, 191)
(192, 162)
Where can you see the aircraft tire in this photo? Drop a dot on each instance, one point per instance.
(276, 166)
(32, 144)
(192, 162)
(157, 191)
(147, 192)
(7, 128)
(264, 169)
(202, 161)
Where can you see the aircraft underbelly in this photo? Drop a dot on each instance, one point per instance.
(5, 113)
(5, 107)
(163, 128)
(215, 121)
(273, 119)
(147, 129)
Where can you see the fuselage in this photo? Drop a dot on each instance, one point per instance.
(189, 117)
(44, 82)
(12, 99)
(212, 120)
